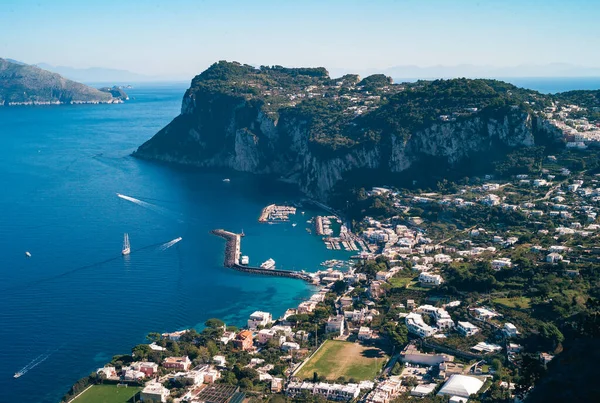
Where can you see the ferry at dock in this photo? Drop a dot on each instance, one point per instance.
(268, 265)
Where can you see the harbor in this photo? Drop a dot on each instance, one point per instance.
(233, 256)
(346, 240)
(275, 213)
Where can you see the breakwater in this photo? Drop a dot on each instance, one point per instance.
(233, 253)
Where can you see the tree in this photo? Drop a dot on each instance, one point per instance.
(497, 365)
(141, 351)
(551, 336)
(203, 355)
(212, 348)
(246, 383)
(339, 287)
(214, 323)
(153, 337)
(531, 372)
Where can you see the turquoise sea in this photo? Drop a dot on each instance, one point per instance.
(76, 302)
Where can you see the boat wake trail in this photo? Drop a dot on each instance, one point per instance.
(139, 202)
(34, 363)
(167, 245)
(150, 206)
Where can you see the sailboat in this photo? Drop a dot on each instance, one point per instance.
(126, 248)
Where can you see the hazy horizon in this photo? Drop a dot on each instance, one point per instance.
(181, 38)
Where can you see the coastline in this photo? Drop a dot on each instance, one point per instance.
(44, 103)
(232, 250)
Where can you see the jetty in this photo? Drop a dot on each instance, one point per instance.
(232, 258)
(276, 213)
(264, 215)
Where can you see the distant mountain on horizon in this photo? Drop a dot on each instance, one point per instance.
(478, 71)
(24, 84)
(398, 73)
(98, 74)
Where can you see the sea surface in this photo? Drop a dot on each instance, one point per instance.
(76, 302)
(552, 85)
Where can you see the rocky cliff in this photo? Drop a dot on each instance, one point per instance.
(314, 131)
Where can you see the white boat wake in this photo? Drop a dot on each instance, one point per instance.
(34, 363)
(157, 209)
(167, 245)
(138, 202)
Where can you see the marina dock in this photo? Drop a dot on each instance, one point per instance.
(276, 213)
(233, 253)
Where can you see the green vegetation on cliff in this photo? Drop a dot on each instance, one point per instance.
(342, 113)
(301, 125)
(25, 84)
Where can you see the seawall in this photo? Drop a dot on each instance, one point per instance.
(233, 253)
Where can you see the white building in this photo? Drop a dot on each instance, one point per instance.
(154, 391)
(467, 328)
(364, 333)
(491, 186)
(175, 336)
(290, 345)
(335, 324)
(442, 258)
(108, 371)
(441, 316)
(416, 325)
(385, 391)
(461, 386)
(483, 313)
(227, 337)
(328, 391)
(510, 330)
(412, 355)
(220, 360)
(501, 263)
(259, 318)
(430, 280)
(554, 257)
(490, 200)
(265, 335)
(130, 374)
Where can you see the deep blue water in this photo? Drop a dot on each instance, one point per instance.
(552, 85)
(76, 300)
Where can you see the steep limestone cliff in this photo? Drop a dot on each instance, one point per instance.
(232, 128)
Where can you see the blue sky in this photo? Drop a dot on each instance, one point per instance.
(182, 37)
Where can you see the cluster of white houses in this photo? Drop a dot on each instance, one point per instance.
(330, 391)
(148, 372)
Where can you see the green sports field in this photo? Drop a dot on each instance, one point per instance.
(108, 394)
(341, 358)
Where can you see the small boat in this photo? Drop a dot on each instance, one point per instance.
(126, 247)
(226, 180)
(294, 224)
(27, 254)
(268, 265)
(17, 374)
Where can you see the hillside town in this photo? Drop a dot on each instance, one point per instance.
(440, 301)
